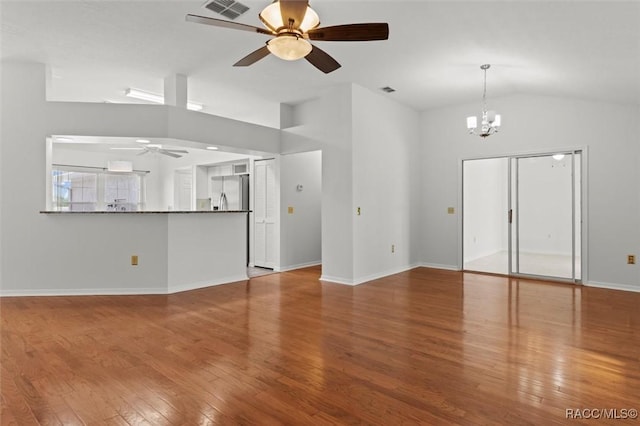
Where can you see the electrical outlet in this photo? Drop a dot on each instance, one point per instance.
(134, 260)
(393, 248)
(451, 210)
(631, 259)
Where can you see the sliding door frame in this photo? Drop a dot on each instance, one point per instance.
(584, 235)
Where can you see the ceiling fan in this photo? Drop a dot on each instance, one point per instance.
(292, 23)
(157, 149)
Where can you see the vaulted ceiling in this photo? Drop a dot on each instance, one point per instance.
(97, 49)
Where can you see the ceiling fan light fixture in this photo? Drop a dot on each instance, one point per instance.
(289, 47)
(271, 17)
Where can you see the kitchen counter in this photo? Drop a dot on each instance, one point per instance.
(148, 212)
(174, 250)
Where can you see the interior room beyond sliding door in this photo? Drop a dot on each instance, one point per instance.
(485, 207)
(546, 210)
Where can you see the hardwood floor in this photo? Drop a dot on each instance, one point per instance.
(421, 347)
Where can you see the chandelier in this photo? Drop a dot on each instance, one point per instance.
(490, 120)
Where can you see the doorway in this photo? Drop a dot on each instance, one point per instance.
(264, 214)
(522, 215)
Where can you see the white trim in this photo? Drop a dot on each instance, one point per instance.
(207, 283)
(440, 266)
(336, 280)
(611, 286)
(298, 266)
(384, 274)
(372, 277)
(83, 292)
(121, 291)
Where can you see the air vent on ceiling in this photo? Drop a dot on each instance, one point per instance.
(228, 8)
(388, 89)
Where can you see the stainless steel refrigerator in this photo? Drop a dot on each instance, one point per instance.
(230, 192)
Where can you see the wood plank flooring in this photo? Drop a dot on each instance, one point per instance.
(421, 347)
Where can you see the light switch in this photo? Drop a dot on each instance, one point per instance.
(451, 210)
(134, 260)
(290, 210)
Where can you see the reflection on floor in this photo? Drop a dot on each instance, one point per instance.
(551, 265)
(256, 271)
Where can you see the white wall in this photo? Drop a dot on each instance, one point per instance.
(326, 124)
(42, 254)
(385, 184)
(300, 232)
(205, 249)
(544, 200)
(485, 207)
(610, 134)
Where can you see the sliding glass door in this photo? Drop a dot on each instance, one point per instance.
(545, 216)
(522, 215)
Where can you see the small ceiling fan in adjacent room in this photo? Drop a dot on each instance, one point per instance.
(157, 149)
(292, 23)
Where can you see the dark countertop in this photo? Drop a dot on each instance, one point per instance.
(149, 212)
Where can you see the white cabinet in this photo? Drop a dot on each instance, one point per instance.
(222, 170)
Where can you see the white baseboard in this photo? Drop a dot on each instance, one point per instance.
(207, 283)
(120, 291)
(368, 278)
(383, 274)
(298, 266)
(440, 266)
(610, 286)
(82, 292)
(336, 280)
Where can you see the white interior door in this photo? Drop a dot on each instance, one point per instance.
(264, 213)
(183, 181)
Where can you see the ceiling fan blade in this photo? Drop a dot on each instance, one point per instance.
(146, 151)
(322, 60)
(293, 9)
(226, 24)
(178, 151)
(351, 32)
(252, 57)
(170, 154)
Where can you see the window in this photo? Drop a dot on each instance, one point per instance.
(74, 191)
(77, 190)
(122, 192)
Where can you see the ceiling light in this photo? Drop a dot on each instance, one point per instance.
(490, 120)
(558, 157)
(158, 99)
(213, 148)
(145, 96)
(271, 17)
(142, 141)
(154, 145)
(289, 47)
